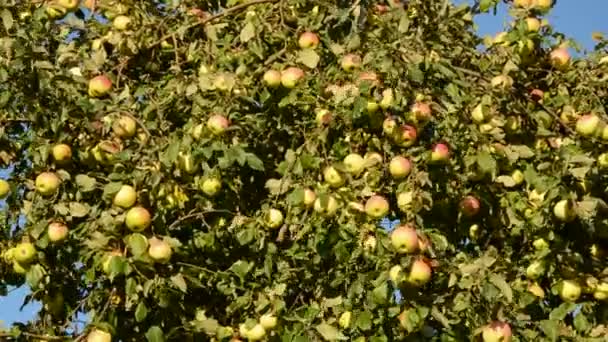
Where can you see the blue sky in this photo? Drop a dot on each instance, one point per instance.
(576, 18)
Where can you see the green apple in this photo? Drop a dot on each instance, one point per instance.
(124, 127)
(291, 76)
(420, 273)
(326, 205)
(474, 232)
(138, 219)
(211, 186)
(107, 260)
(309, 198)
(70, 5)
(217, 124)
(354, 163)
(535, 270)
(532, 24)
(62, 153)
(308, 40)
(121, 22)
(24, 253)
(496, 332)
(273, 218)
(587, 125)
(501, 82)
(99, 86)
(404, 239)
(344, 320)
(601, 291)
(396, 275)
(57, 232)
(564, 211)
(54, 11)
(5, 188)
(569, 290)
(518, 177)
(268, 321)
(350, 62)
(376, 206)
(272, 78)
(125, 197)
(47, 183)
(97, 335)
(400, 167)
(257, 333)
(543, 5)
(333, 177)
(19, 268)
(540, 244)
(159, 250)
(373, 158)
(602, 160)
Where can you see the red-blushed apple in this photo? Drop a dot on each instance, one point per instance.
(272, 78)
(440, 153)
(587, 125)
(501, 82)
(469, 206)
(404, 239)
(138, 219)
(373, 158)
(217, 124)
(125, 197)
(326, 205)
(564, 211)
(121, 22)
(354, 163)
(381, 9)
(344, 320)
(396, 275)
(422, 111)
(569, 290)
(388, 99)
(532, 24)
(273, 218)
(308, 40)
(211, 186)
(400, 167)
(124, 127)
(57, 231)
(350, 62)
(322, 116)
(377, 206)
(420, 273)
(389, 125)
(24, 253)
(99, 86)
(406, 135)
(268, 321)
(535, 270)
(309, 198)
(62, 153)
(333, 177)
(560, 58)
(496, 332)
(159, 250)
(97, 335)
(537, 95)
(47, 183)
(291, 76)
(5, 188)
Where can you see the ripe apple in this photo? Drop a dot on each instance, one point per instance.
(309, 198)
(388, 99)
(322, 116)
(560, 58)
(211, 186)
(97, 335)
(47, 183)
(217, 124)
(274, 218)
(333, 177)
(308, 40)
(587, 125)
(564, 211)
(57, 231)
(350, 62)
(272, 78)
(469, 206)
(372, 158)
(537, 95)
(62, 154)
(406, 135)
(422, 111)
(344, 320)
(569, 290)
(400, 167)
(405, 239)
(159, 250)
(420, 273)
(496, 332)
(268, 321)
(327, 206)
(354, 163)
(99, 86)
(121, 22)
(376, 206)
(138, 219)
(24, 253)
(5, 188)
(125, 197)
(501, 82)
(124, 127)
(396, 275)
(535, 270)
(256, 333)
(291, 76)
(532, 24)
(440, 153)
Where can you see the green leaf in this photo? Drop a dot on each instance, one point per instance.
(254, 162)
(141, 311)
(7, 19)
(364, 321)
(170, 155)
(178, 280)
(500, 282)
(562, 311)
(241, 268)
(404, 24)
(247, 32)
(329, 332)
(155, 334)
(78, 209)
(85, 183)
(581, 323)
(550, 328)
(34, 276)
(309, 58)
(486, 163)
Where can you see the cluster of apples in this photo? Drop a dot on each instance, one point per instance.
(258, 331)
(406, 240)
(22, 256)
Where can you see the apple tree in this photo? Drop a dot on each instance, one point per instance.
(301, 170)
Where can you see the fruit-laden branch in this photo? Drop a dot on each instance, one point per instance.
(224, 13)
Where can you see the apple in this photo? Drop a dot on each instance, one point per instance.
(388, 99)
(217, 124)
(309, 198)
(474, 231)
(97, 335)
(601, 291)
(496, 332)
(350, 62)
(389, 125)
(480, 114)
(535, 270)
(404, 239)
(469, 206)
(308, 40)
(587, 125)
(536, 290)
(291, 76)
(124, 127)
(518, 177)
(272, 78)
(372, 106)
(70, 5)
(344, 320)
(500, 39)
(564, 211)
(268, 321)
(54, 11)
(376, 206)
(540, 244)
(396, 275)
(373, 158)
(62, 153)
(19, 268)
(537, 95)
(333, 177)
(138, 219)
(354, 163)
(47, 183)
(422, 111)
(186, 162)
(523, 3)
(57, 231)
(356, 206)
(560, 58)
(107, 260)
(399, 167)
(327, 206)
(125, 197)
(543, 5)
(99, 86)
(532, 24)
(211, 186)
(121, 22)
(5, 188)
(273, 218)
(159, 250)
(322, 116)
(440, 153)
(369, 76)
(24, 253)
(420, 273)
(256, 333)
(501, 82)
(569, 290)
(406, 135)
(602, 160)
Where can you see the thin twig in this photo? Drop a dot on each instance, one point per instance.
(196, 215)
